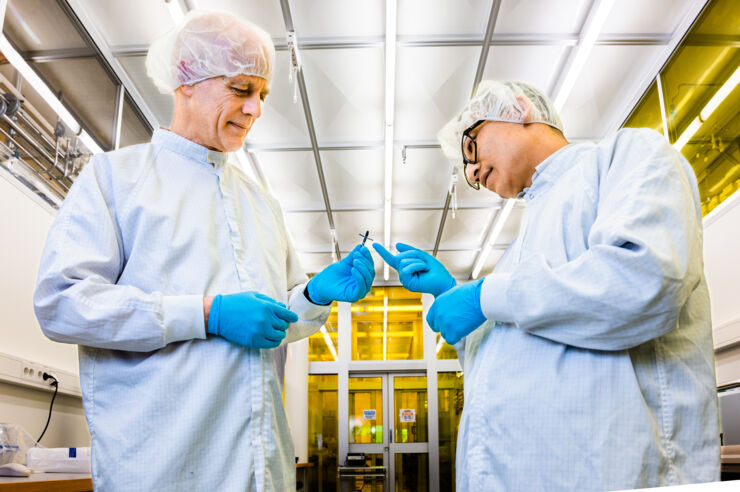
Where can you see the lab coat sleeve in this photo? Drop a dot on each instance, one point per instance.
(76, 298)
(639, 267)
(311, 317)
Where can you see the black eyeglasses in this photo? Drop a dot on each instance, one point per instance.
(470, 152)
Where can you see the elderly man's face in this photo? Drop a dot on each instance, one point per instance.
(225, 109)
(506, 158)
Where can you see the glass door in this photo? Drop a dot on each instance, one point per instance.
(388, 422)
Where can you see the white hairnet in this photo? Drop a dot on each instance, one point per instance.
(497, 101)
(206, 45)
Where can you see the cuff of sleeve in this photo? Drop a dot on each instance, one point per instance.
(304, 308)
(493, 298)
(183, 318)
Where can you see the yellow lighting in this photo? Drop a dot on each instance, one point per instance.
(379, 309)
(707, 111)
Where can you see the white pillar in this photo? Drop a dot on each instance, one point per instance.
(296, 396)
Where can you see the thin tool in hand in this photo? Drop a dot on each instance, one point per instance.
(365, 237)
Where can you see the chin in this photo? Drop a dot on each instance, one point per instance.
(232, 145)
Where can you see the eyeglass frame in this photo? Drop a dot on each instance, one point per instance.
(466, 161)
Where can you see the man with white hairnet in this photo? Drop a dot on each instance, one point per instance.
(176, 276)
(588, 354)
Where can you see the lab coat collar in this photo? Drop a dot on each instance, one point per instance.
(547, 172)
(188, 148)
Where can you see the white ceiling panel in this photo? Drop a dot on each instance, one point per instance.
(354, 178)
(309, 230)
(602, 92)
(129, 22)
(541, 16)
(423, 179)
(282, 120)
(337, 18)
(535, 65)
(293, 178)
(267, 15)
(315, 262)
(638, 16)
(432, 84)
(345, 88)
(162, 105)
(442, 17)
(467, 229)
(458, 263)
(415, 227)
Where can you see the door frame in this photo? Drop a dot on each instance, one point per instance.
(344, 364)
(389, 448)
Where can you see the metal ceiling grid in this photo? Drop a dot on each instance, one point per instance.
(510, 26)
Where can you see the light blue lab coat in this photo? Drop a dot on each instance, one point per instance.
(144, 234)
(597, 369)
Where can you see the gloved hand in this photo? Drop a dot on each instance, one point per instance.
(418, 270)
(250, 319)
(457, 312)
(348, 280)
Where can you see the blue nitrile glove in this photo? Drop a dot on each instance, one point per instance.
(418, 270)
(457, 312)
(250, 319)
(348, 280)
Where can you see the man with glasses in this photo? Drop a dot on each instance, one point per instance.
(587, 353)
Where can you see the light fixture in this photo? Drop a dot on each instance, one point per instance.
(19, 169)
(385, 328)
(30, 76)
(708, 109)
(592, 29)
(498, 226)
(414, 308)
(390, 101)
(440, 344)
(327, 340)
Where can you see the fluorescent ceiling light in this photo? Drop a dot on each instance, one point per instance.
(30, 76)
(385, 328)
(498, 226)
(440, 344)
(720, 95)
(390, 101)
(329, 343)
(20, 170)
(591, 33)
(708, 109)
(687, 134)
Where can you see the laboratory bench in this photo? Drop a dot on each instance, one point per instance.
(48, 482)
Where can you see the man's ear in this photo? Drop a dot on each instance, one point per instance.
(187, 90)
(525, 107)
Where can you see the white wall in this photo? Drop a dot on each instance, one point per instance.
(722, 269)
(24, 222)
(29, 408)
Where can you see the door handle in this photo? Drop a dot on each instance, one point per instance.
(391, 436)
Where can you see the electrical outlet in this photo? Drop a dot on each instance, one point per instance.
(26, 373)
(34, 373)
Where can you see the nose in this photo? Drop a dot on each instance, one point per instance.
(253, 106)
(472, 172)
